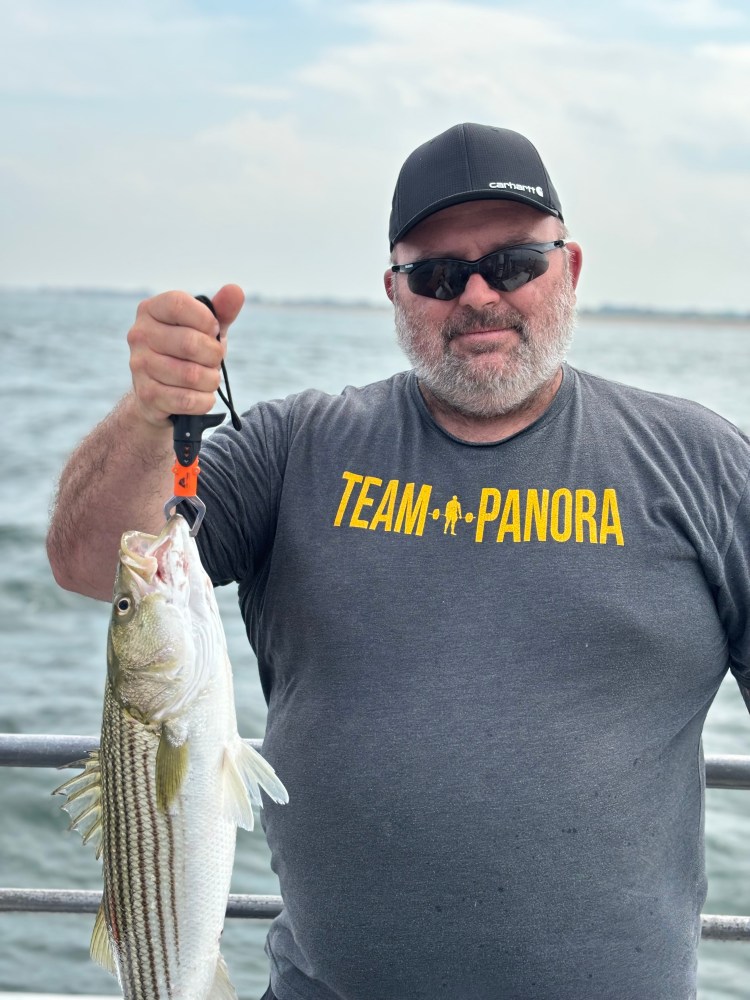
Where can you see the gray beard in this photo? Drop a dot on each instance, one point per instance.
(542, 347)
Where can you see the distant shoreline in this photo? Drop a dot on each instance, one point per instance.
(608, 313)
(641, 316)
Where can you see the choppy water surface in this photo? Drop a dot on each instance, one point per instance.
(63, 362)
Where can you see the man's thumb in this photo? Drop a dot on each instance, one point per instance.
(228, 302)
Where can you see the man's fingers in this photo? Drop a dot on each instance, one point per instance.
(176, 372)
(160, 401)
(182, 342)
(179, 309)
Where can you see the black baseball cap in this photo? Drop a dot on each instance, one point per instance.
(468, 163)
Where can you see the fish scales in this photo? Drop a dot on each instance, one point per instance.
(140, 900)
(163, 796)
(165, 881)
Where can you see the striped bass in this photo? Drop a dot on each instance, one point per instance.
(162, 798)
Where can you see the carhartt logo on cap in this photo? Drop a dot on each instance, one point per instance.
(511, 186)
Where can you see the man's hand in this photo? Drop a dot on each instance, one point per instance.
(119, 477)
(174, 352)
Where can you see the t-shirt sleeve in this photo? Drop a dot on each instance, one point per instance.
(240, 483)
(733, 596)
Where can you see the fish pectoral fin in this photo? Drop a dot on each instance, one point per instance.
(101, 946)
(245, 773)
(83, 801)
(171, 768)
(222, 988)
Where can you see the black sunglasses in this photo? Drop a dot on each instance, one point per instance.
(504, 270)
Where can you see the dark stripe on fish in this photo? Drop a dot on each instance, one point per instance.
(147, 840)
(128, 899)
(171, 885)
(118, 869)
(154, 824)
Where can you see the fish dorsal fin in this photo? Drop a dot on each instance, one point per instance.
(245, 773)
(101, 946)
(171, 768)
(222, 988)
(83, 801)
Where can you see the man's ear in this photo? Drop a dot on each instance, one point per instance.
(388, 278)
(575, 261)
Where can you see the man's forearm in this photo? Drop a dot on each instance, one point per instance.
(117, 479)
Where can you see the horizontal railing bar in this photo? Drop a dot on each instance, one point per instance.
(40, 750)
(714, 926)
(724, 928)
(87, 901)
(727, 771)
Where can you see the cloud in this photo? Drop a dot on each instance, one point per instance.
(439, 56)
(253, 93)
(85, 49)
(614, 121)
(695, 13)
(642, 134)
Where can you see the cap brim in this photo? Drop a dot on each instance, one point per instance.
(457, 199)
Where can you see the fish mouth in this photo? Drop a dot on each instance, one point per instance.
(157, 562)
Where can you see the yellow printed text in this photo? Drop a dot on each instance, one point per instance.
(397, 508)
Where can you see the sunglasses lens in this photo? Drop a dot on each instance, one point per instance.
(439, 279)
(510, 269)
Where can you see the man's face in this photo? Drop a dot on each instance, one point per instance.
(486, 353)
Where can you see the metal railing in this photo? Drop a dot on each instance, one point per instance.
(24, 750)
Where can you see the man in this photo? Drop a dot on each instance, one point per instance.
(492, 743)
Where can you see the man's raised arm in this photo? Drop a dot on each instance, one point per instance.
(119, 477)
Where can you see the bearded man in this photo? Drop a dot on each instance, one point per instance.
(490, 736)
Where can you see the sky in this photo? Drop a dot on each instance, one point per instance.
(172, 144)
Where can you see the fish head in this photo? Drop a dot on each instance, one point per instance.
(153, 666)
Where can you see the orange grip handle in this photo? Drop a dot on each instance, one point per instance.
(186, 479)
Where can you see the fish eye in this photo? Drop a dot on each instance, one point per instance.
(123, 604)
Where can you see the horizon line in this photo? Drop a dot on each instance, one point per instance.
(605, 309)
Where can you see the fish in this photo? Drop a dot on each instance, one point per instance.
(162, 797)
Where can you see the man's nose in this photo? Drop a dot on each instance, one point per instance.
(478, 293)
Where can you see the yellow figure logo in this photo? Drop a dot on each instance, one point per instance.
(452, 515)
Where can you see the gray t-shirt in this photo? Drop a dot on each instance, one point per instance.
(487, 670)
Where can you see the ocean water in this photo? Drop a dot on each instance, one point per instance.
(63, 362)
